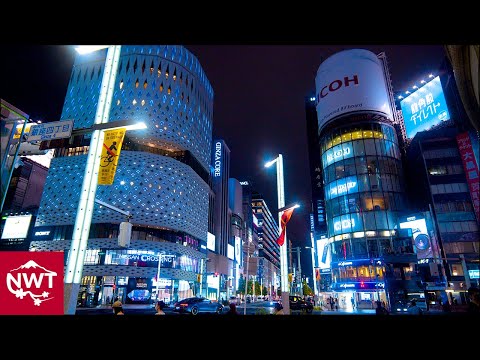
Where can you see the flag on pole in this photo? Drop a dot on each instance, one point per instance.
(287, 214)
(112, 144)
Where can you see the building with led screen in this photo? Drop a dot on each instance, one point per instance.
(162, 176)
(424, 108)
(362, 173)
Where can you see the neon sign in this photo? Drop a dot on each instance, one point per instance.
(218, 156)
(346, 223)
(337, 153)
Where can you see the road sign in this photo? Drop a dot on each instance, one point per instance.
(51, 131)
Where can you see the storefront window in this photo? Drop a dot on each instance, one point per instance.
(363, 273)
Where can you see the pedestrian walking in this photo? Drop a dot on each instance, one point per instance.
(474, 300)
(232, 310)
(380, 310)
(159, 306)
(278, 309)
(117, 307)
(413, 309)
(353, 302)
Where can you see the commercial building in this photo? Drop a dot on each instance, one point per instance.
(318, 223)
(443, 179)
(362, 173)
(162, 177)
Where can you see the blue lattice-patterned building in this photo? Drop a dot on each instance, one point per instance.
(162, 177)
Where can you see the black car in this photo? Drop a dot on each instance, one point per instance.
(297, 303)
(195, 305)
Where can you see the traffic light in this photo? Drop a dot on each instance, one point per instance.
(199, 278)
(290, 278)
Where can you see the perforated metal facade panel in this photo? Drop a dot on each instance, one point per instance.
(163, 86)
(156, 190)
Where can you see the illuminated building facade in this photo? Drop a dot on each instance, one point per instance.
(162, 177)
(362, 172)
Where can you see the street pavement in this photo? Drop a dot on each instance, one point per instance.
(256, 308)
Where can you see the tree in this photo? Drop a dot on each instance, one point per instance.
(241, 285)
(307, 290)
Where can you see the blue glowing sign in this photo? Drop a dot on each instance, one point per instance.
(342, 187)
(424, 108)
(337, 153)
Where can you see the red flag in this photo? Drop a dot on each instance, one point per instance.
(287, 214)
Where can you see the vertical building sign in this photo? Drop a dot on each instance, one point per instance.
(471, 169)
(218, 159)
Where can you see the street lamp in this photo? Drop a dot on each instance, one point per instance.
(283, 249)
(81, 229)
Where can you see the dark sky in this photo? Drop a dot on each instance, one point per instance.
(258, 104)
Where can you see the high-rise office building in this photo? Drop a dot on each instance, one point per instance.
(443, 179)
(268, 254)
(162, 177)
(318, 223)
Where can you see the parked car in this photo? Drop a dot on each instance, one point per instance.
(297, 303)
(196, 305)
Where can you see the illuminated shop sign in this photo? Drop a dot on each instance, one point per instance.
(42, 233)
(150, 260)
(218, 157)
(345, 224)
(470, 167)
(238, 249)
(255, 221)
(423, 261)
(243, 183)
(230, 252)
(362, 285)
(424, 108)
(359, 262)
(474, 274)
(210, 241)
(343, 188)
(337, 153)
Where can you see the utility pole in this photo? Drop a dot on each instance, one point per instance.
(299, 276)
(246, 280)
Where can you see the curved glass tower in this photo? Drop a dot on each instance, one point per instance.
(361, 163)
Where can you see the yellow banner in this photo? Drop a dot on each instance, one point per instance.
(112, 144)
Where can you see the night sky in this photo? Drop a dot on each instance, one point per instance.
(258, 102)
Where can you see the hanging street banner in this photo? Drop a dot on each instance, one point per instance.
(112, 144)
(471, 170)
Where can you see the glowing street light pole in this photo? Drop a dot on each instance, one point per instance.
(283, 249)
(81, 229)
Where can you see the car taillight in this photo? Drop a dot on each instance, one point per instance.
(183, 305)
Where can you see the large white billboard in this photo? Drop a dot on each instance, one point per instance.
(16, 227)
(350, 81)
(324, 256)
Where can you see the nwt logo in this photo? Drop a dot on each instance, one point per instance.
(24, 285)
(31, 283)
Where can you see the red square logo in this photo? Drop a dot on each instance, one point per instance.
(31, 283)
